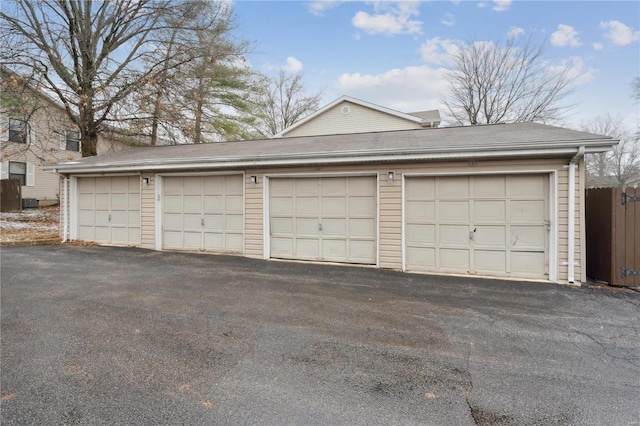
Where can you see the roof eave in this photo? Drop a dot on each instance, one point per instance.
(325, 158)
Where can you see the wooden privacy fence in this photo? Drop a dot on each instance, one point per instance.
(10, 195)
(613, 235)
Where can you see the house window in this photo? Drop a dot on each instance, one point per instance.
(18, 170)
(73, 140)
(17, 130)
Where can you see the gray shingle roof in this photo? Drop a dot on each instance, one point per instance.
(459, 142)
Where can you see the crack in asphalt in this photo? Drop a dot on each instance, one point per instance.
(469, 390)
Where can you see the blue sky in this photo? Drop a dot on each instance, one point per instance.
(393, 53)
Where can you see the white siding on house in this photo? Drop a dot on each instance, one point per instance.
(358, 119)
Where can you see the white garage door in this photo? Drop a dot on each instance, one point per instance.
(486, 225)
(109, 209)
(203, 213)
(329, 219)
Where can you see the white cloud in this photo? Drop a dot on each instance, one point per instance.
(619, 33)
(501, 5)
(565, 35)
(575, 68)
(408, 89)
(515, 32)
(318, 8)
(482, 5)
(598, 46)
(293, 65)
(389, 18)
(448, 20)
(438, 51)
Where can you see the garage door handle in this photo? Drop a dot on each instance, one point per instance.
(109, 218)
(202, 221)
(319, 227)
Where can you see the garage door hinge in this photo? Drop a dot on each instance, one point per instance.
(629, 273)
(628, 198)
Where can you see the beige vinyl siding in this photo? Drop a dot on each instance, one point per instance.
(359, 120)
(148, 212)
(390, 204)
(253, 216)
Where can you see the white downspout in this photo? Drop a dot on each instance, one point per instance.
(65, 206)
(571, 261)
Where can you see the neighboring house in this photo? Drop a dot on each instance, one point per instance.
(501, 200)
(35, 131)
(351, 115)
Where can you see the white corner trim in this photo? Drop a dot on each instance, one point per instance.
(571, 245)
(266, 230)
(158, 212)
(73, 208)
(403, 247)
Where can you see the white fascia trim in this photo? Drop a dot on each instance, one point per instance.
(298, 160)
(365, 104)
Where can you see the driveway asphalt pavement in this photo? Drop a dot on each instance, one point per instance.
(99, 335)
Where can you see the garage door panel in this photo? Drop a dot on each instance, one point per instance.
(234, 223)
(120, 185)
(192, 203)
(233, 185)
(86, 201)
(213, 241)
(281, 187)
(308, 248)
(527, 186)
(86, 233)
(119, 235)
(362, 251)
(490, 236)
(362, 206)
(281, 206)
(119, 202)
(422, 190)
(134, 234)
(307, 187)
(172, 186)
(234, 242)
(134, 218)
(334, 227)
(282, 247)
(487, 261)
(172, 220)
(527, 263)
(102, 185)
(102, 201)
(334, 206)
(307, 206)
(172, 239)
(101, 217)
(233, 204)
(192, 240)
(489, 211)
(421, 211)
(213, 185)
(334, 250)
(362, 228)
(306, 226)
(282, 225)
(134, 201)
(119, 217)
(191, 221)
(456, 187)
(421, 234)
(192, 185)
(361, 185)
(527, 211)
(86, 185)
(102, 234)
(334, 187)
(454, 260)
(530, 237)
(172, 203)
(213, 203)
(453, 211)
(86, 217)
(213, 222)
(454, 234)
(421, 258)
(489, 187)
